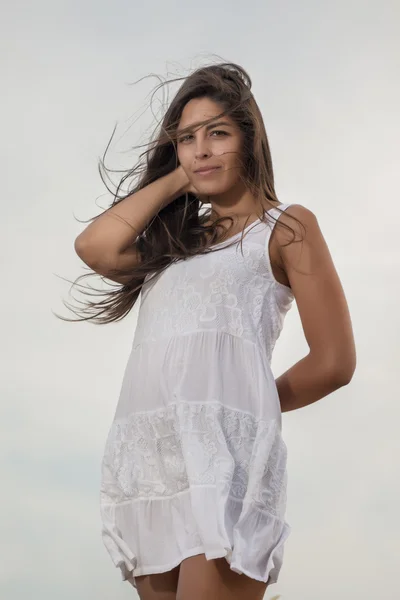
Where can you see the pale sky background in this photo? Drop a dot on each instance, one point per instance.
(326, 77)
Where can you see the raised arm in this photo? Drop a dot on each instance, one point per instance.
(109, 242)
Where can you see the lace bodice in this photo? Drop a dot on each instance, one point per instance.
(228, 290)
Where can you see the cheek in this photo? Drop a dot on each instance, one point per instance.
(232, 158)
(230, 151)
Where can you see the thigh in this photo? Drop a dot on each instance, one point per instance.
(202, 579)
(158, 586)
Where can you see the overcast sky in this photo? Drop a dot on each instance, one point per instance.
(325, 76)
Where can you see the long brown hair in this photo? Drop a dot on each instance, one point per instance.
(179, 231)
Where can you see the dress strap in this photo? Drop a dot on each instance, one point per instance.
(276, 211)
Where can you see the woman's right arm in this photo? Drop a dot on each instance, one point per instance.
(109, 243)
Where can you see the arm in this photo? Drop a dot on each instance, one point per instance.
(109, 241)
(323, 311)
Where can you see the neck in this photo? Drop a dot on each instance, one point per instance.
(235, 202)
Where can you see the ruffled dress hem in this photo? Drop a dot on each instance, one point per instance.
(267, 556)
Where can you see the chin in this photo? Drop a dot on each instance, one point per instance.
(212, 190)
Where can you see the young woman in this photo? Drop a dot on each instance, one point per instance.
(193, 490)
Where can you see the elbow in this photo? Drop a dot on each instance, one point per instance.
(338, 370)
(84, 251)
(79, 246)
(342, 373)
(344, 377)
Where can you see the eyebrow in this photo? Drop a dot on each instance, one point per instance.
(210, 126)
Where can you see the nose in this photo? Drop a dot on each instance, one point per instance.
(202, 150)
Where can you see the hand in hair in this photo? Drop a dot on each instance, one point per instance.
(189, 188)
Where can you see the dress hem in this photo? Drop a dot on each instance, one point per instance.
(140, 571)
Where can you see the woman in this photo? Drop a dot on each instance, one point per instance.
(193, 491)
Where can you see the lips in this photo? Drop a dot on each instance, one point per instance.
(206, 170)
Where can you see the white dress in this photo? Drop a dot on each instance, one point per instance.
(194, 461)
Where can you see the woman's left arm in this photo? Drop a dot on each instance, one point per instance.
(323, 310)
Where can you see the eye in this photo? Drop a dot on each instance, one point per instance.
(185, 137)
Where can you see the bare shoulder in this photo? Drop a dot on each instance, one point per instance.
(300, 223)
(291, 217)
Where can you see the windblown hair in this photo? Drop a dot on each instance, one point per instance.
(179, 230)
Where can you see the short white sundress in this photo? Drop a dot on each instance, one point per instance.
(194, 461)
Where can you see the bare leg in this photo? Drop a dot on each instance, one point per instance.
(202, 579)
(158, 586)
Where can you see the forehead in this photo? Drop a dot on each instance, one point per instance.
(200, 109)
